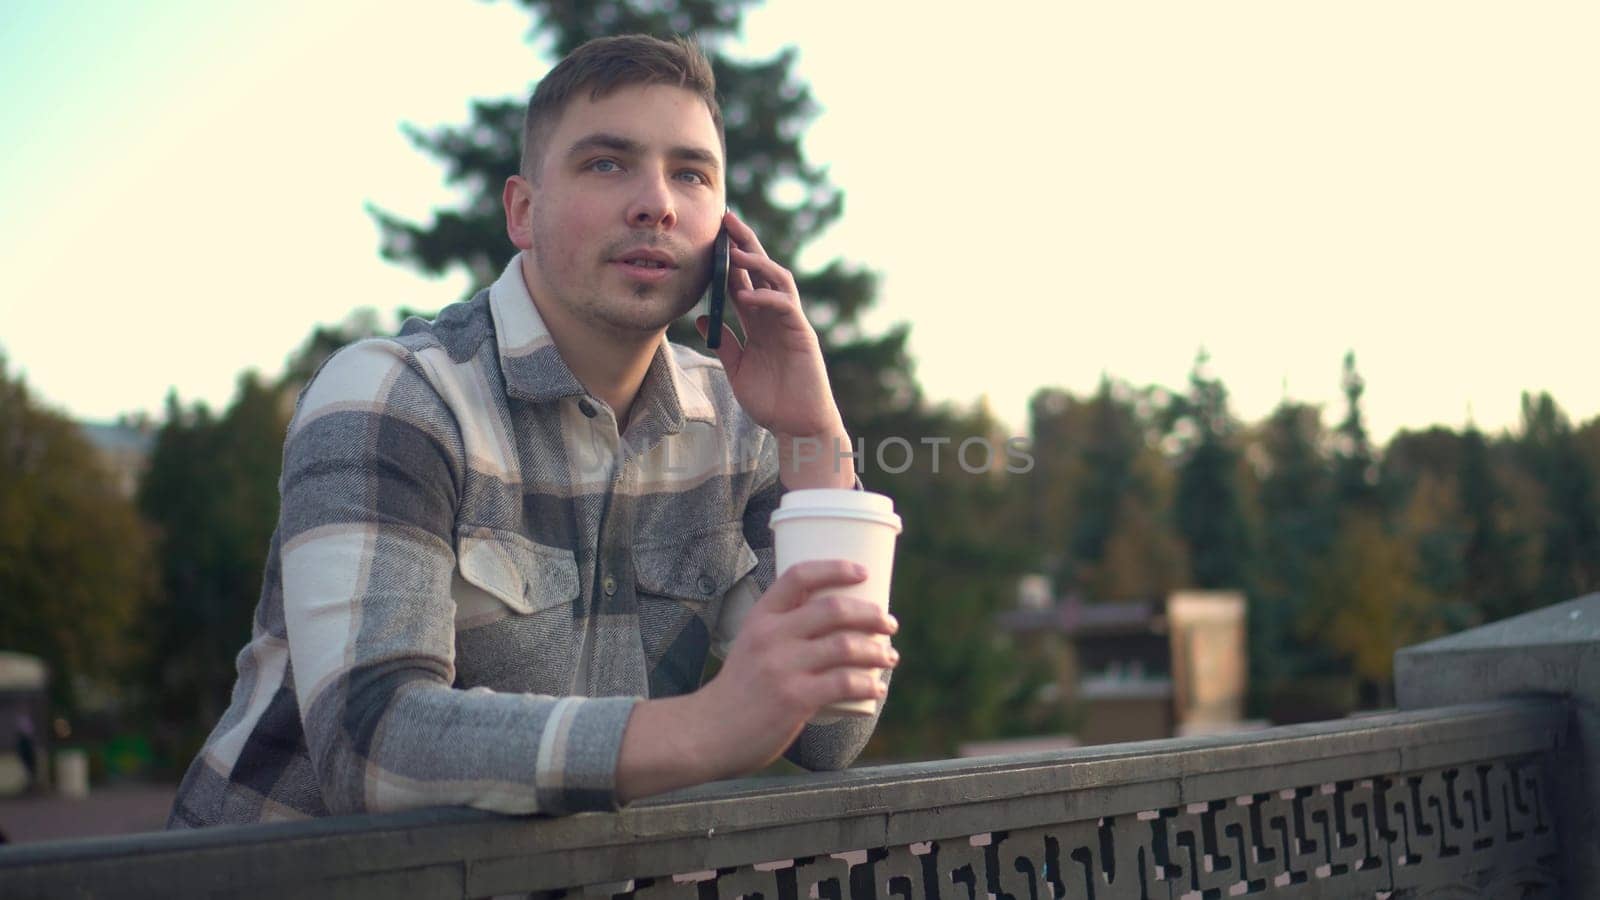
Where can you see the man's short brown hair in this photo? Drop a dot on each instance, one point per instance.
(602, 66)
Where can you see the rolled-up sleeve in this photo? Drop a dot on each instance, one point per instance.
(373, 467)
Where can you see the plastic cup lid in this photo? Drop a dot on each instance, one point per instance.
(826, 503)
(837, 498)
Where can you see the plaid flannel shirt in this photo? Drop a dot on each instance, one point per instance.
(474, 578)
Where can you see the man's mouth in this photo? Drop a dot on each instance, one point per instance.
(645, 265)
(646, 257)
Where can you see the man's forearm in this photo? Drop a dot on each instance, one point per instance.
(663, 749)
(818, 461)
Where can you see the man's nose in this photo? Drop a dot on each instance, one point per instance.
(653, 205)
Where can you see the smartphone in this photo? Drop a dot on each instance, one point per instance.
(718, 297)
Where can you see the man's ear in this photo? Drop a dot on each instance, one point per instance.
(517, 197)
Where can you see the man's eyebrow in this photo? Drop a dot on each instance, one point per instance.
(619, 144)
(603, 141)
(695, 154)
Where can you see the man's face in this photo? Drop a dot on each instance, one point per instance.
(628, 199)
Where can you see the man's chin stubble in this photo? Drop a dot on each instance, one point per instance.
(628, 326)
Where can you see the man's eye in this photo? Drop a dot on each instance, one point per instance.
(605, 165)
(694, 177)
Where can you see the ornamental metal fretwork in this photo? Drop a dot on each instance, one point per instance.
(1474, 830)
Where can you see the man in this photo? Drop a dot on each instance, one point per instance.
(508, 536)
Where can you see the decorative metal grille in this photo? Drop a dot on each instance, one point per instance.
(1483, 830)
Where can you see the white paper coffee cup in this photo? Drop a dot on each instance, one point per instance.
(857, 526)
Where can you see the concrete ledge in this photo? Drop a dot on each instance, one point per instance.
(1550, 652)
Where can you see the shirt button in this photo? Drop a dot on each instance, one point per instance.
(706, 584)
(609, 585)
(587, 408)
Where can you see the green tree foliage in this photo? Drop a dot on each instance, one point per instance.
(1368, 593)
(1431, 480)
(1052, 514)
(1210, 507)
(1361, 548)
(1497, 571)
(210, 496)
(1112, 445)
(956, 567)
(1100, 501)
(211, 493)
(75, 565)
(1355, 470)
(1587, 441)
(1297, 526)
(1368, 601)
(1422, 473)
(1549, 450)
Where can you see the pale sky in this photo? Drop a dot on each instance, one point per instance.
(1049, 192)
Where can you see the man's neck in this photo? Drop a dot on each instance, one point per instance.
(610, 366)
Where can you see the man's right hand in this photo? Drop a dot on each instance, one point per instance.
(796, 652)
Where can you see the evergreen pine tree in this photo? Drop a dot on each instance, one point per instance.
(1549, 451)
(1111, 445)
(1354, 459)
(211, 491)
(1494, 579)
(1421, 477)
(1123, 543)
(1210, 513)
(1297, 528)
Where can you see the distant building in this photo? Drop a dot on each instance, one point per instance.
(1141, 670)
(24, 712)
(1210, 671)
(124, 449)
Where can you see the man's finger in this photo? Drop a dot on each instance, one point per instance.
(846, 650)
(841, 685)
(741, 233)
(747, 263)
(766, 299)
(802, 579)
(840, 611)
(766, 268)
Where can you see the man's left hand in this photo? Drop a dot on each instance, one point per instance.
(778, 375)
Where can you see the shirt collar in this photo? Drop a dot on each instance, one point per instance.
(534, 370)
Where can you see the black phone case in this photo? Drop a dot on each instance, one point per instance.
(719, 289)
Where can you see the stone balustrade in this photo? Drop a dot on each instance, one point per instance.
(1483, 786)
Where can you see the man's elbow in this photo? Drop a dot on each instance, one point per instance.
(828, 747)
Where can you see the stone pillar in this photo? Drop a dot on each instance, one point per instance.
(1553, 651)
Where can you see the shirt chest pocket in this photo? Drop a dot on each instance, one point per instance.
(683, 583)
(515, 611)
(697, 568)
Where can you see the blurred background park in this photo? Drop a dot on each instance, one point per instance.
(1294, 311)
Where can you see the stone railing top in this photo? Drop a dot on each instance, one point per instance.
(1573, 623)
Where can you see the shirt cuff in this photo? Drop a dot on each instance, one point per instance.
(578, 753)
